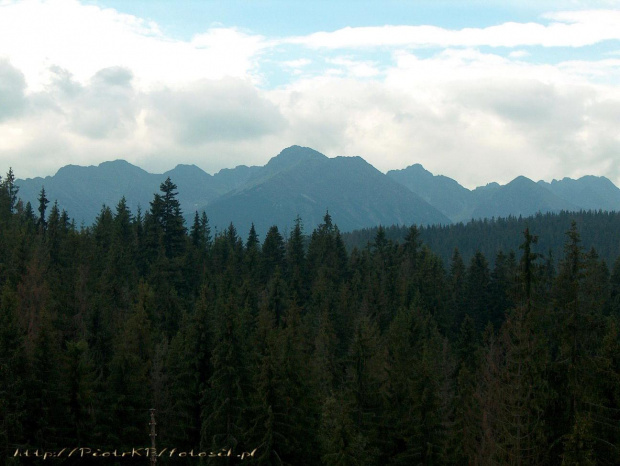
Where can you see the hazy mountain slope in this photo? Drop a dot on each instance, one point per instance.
(519, 197)
(355, 193)
(588, 192)
(230, 179)
(303, 181)
(195, 187)
(287, 159)
(443, 193)
(82, 191)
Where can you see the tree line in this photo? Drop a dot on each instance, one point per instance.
(597, 229)
(297, 348)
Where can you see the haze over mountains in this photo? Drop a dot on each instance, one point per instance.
(301, 181)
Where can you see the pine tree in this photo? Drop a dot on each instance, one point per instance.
(409, 269)
(456, 291)
(465, 432)
(129, 377)
(478, 290)
(502, 280)
(200, 232)
(518, 386)
(43, 201)
(171, 219)
(80, 381)
(205, 229)
(614, 298)
(8, 196)
(365, 377)
(196, 232)
(189, 368)
(224, 402)
(273, 252)
(342, 444)
(419, 396)
(272, 406)
(605, 412)
(46, 420)
(12, 189)
(12, 374)
(577, 333)
(295, 271)
(326, 252)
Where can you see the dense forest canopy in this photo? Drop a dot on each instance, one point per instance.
(597, 229)
(298, 348)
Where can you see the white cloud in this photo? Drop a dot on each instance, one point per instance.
(80, 84)
(12, 86)
(519, 54)
(568, 29)
(37, 34)
(299, 63)
(356, 68)
(226, 110)
(475, 117)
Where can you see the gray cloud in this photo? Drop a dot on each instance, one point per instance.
(12, 87)
(475, 131)
(115, 76)
(208, 111)
(62, 82)
(107, 106)
(552, 117)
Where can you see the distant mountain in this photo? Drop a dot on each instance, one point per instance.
(521, 196)
(300, 181)
(230, 179)
(195, 186)
(588, 192)
(449, 197)
(82, 191)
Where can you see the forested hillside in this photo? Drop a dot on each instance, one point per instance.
(598, 230)
(297, 348)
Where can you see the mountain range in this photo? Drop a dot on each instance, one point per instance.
(303, 182)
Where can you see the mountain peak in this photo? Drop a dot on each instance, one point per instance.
(293, 155)
(116, 163)
(417, 170)
(521, 181)
(187, 170)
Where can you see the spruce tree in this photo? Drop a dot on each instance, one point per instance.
(273, 252)
(43, 201)
(295, 270)
(13, 376)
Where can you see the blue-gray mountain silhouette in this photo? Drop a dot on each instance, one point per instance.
(301, 181)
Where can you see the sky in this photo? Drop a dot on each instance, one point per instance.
(479, 91)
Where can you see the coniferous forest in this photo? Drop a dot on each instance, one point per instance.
(297, 349)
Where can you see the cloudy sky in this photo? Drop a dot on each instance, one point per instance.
(479, 91)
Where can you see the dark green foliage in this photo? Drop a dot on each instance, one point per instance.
(8, 197)
(301, 351)
(166, 210)
(489, 236)
(12, 373)
(197, 234)
(43, 201)
(295, 262)
(478, 291)
(273, 251)
(419, 389)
